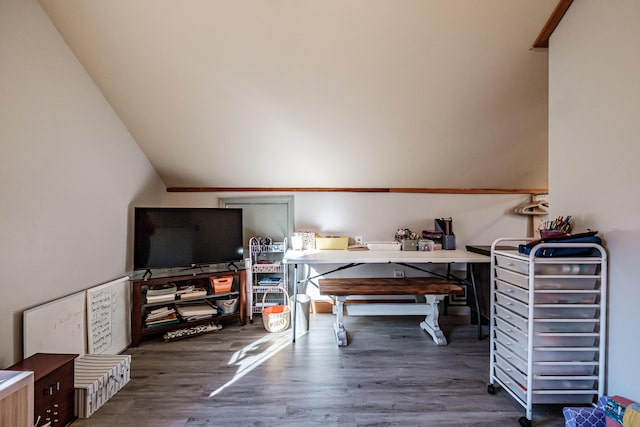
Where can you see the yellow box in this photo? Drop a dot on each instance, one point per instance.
(332, 242)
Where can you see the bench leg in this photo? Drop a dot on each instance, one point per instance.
(338, 326)
(430, 322)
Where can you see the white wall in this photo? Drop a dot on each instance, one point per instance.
(594, 102)
(69, 169)
(477, 219)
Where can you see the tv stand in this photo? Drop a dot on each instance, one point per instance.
(144, 276)
(140, 307)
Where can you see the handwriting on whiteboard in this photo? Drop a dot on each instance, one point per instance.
(100, 315)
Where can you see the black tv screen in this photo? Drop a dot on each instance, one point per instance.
(181, 237)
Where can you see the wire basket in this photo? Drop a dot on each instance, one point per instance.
(276, 318)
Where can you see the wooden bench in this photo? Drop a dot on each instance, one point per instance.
(433, 289)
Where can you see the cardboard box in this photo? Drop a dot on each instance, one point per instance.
(332, 242)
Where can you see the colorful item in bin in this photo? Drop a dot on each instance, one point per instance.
(560, 225)
(405, 233)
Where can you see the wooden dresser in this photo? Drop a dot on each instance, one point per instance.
(53, 386)
(16, 399)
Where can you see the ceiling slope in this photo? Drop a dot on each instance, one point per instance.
(331, 93)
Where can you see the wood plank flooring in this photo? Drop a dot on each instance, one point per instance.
(390, 374)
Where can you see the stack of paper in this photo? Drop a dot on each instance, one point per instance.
(161, 293)
(191, 293)
(161, 316)
(196, 311)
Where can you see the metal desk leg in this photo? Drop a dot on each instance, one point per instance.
(295, 292)
(476, 301)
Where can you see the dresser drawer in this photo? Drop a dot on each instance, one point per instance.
(502, 352)
(511, 317)
(512, 332)
(513, 291)
(564, 268)
(510, 343)
(512, 304)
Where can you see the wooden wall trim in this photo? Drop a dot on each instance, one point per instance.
(556, 16)
(359, 190)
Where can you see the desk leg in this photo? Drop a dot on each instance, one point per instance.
(430, 322)
(338, 326)
(295, 293)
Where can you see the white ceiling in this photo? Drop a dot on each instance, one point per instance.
(323, 93)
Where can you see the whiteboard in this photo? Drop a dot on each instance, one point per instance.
(56, 327)
(108, 317)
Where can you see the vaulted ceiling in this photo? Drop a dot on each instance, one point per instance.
(323, 93)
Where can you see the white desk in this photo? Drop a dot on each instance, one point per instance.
(345, 259)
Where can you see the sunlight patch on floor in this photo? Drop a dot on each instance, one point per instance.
(254, 354)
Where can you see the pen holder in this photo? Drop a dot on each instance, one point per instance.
(449, 242)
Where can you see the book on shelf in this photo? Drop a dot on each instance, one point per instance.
(160, 313)
(162, 289)
(193, 293)
(199, 309)
(160, 298)
(164, 320)
(269, 281)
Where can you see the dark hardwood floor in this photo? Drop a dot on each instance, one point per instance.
(391, 374)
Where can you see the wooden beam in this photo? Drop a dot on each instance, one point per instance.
(359, 190)
(556, 16)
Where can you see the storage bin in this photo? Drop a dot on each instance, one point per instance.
(227, 306)
(221, 284)
(513, 318)
(332, 242)
(566, 311)
(513, 304)
(564, 354)
(510, 343)
(561, 296)
(564, 368)
(566, 283)
(522, 266)
(511, 357)
(567, 339)
(514, 333)
(539, 396)
(516, 292)
(409, 244)
(512, 277)
(564, 325)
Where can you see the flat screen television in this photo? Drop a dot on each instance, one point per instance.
(186, 237)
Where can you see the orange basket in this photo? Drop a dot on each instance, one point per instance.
(222, 284)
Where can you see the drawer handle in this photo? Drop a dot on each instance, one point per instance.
(509, 290)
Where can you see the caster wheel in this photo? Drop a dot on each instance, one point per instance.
(491, 389)
(251, 321)
(524, 422)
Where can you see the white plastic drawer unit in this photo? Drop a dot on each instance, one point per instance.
(521, 322)
(548, 324)
(565, 267)
(581, 281)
